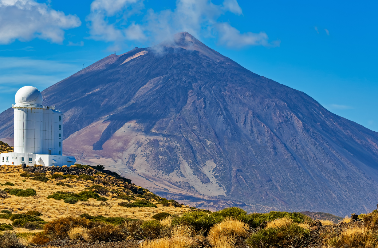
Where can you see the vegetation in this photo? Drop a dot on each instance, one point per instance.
(72, 198)
(21, 192)
(139, 203)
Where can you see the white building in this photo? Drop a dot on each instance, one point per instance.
(38, 132)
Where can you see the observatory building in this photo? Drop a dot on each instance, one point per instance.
(38, 132)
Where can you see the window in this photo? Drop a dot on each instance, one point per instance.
(7, 158)
(30, 160)
(60, 127)
(22, 159)
(60, 152)
(3, 159)
(60, 144)
(60, 136)
(60, 118)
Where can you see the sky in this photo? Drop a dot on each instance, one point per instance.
(326, 49)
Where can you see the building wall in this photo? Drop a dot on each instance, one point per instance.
(38, 159)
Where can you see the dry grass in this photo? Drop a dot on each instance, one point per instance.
(225, 233)
(52, 209)
(167, 222)
(181, 238)
(304, 226)
(354, 237)
(347, 219)
(326, 222)
(78, 233)
(281, 222)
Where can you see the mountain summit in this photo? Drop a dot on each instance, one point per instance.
(189, 123)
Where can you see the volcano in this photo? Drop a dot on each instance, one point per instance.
(188, 123)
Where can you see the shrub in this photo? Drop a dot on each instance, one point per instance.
(21, 192)
(181, 238)
(227, 233)
(72, 198)
(79, 233)
(40, 178)
(3, 194)
(139, 203)
(9, 240)
(5, 226)
(20, 220)
(151, 229)
(132, 229)
(86, 177)
(63, 184)
(200, 220)
(109, 220)
(5, 214)
(60, 227)
(9, 183)
(257, 219)
(326, 222)
(40, 239)
(26, 174)
(281, 222)
(354, 237)
(123, 197)
(290, 236)
(161, 216)
(58, 176)
(35, 213)
(6, 211)
(106, 232)
(98, 189)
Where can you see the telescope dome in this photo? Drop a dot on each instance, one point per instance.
(28, 95)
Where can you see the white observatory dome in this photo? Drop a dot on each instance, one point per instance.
(28, 95)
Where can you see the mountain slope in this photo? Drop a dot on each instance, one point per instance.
(188, 123)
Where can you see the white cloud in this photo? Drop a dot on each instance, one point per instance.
(27, 19)
(232, 37)
(232, 6)
(327, 32)
(316, 29)
(339, 107)
(198, 17)
(75, 44)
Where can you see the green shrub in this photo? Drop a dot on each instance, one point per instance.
(140, 203)
(58, 176)
(86, 177)
(6, 211)
(72, 198)
(108, 220)
(124, 197)
(257, 219)
(26, 174)
(20, 220)
(9, 183)
(4, 226)
(32, 212)
(40, 178)
(63, 184)
(288, 237)
(98, 189)
(21, 192)
(233, 212)
(161, 216)
(5, 215)
(201, 221)
(151, 229)
(106, 232)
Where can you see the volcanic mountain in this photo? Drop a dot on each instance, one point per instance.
(186, 122)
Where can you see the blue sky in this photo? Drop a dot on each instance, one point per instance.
(326, 49)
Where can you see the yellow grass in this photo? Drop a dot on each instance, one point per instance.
(181, 238)
(304, 226)
(167, 222)
(346, 219)
(281, 222)
(52, 209)
(326, 222)
(223, 234)
(354, 237)
(78, 232)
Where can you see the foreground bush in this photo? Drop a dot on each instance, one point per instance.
(286, 236)
(59, 228)
(228, 233)
(40, 239)
(181, 237)
(199, 220)
(9, 240)
(5, 226)
(354, 237)
(27, 221)
(258, 220)
(108, 220)
(161, 216)
(106, 233)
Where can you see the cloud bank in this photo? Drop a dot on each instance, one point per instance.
(198, 17)
(27, 19)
